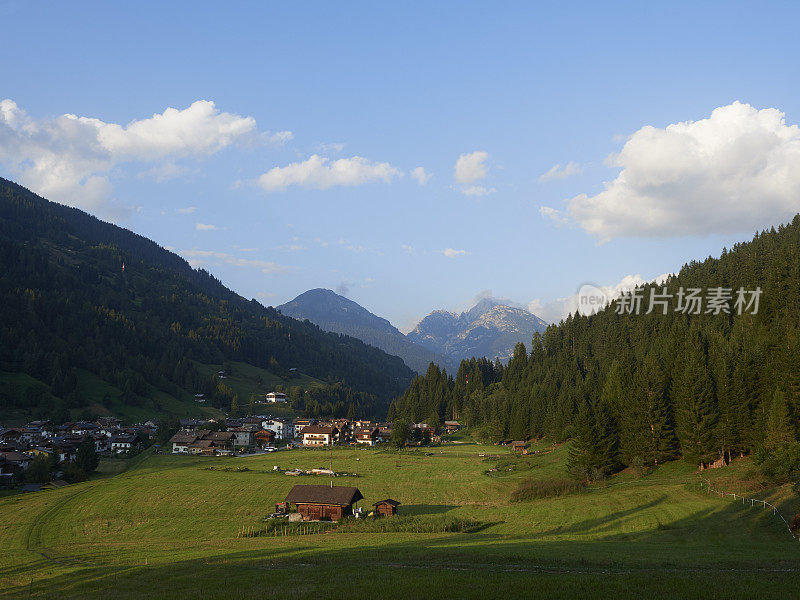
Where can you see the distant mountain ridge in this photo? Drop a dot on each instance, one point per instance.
(333, 312)
(491, 328)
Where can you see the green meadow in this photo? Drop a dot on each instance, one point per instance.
(160, 526)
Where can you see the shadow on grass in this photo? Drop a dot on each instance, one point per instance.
(464, 566)
(599, 524)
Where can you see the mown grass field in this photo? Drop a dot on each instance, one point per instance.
(167, 527)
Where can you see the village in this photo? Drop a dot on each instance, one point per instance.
(228, 437)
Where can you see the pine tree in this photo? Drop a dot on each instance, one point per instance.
(695, 409)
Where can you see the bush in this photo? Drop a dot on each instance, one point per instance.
(547, 488)
(409, 524)
(779, 464)
(73, 473)
(395, 524)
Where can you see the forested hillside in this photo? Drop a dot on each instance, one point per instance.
(79, 294)
(637, 390)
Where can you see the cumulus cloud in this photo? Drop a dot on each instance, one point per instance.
(408, 248)
(320, 173)
(560, 308)
(205, 227)
(452, 253)
(421, 175)
(471, 167)
(199, 258)
(737, 170)
(187, 210)
(559, 172)
(69, 158)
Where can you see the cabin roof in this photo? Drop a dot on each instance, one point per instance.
(319, 429)
(324, 494)
(394, 503)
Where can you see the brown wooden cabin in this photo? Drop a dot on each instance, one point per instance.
(386, 508)
(519, 446)
(323, 502)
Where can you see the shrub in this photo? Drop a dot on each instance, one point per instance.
(410, 524)
(395, 524)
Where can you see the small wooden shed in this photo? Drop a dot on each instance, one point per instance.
(322, 502)
(386, 508)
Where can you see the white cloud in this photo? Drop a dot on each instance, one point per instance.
(471, 167)
(205, 227)
(421, 175)
(451, 253)
(278, 138)
(69, 158)
(477, 190)
(320, 173)
(555, 215)
(738, 170)
(330, 148)
(187, 210)
(559, 172)
(408, 248)
(560, 308)
(198, 258)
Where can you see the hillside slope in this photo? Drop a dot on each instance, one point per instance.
(81, 294)
(333, 312)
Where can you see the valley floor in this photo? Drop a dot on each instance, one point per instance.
(169, 527)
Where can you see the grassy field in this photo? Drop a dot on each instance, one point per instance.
(167, 527)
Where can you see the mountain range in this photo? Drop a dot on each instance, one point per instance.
(491, 328)
(333, 312)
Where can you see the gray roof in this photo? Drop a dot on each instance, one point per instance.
(324, 494)
(394, 503)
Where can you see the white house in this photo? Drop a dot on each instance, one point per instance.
(123, 443)
(275, 397)
(282, 428)
(319, 435)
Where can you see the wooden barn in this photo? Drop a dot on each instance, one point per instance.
(386, 508)
(322, 502)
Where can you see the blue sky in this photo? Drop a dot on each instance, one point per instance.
(696, 103)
